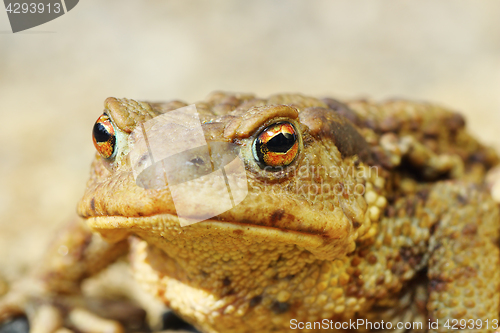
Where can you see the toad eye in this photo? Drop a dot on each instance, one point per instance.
(104, 136)
(277, 145)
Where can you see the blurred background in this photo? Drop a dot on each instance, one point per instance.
(55, 77)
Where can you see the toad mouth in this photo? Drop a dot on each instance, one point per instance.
(115, 228)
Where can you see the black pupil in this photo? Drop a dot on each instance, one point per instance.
(281, 143)
(100, 133)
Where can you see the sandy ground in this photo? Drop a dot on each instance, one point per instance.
(54, 78)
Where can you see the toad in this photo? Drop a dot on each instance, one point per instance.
(357, 215)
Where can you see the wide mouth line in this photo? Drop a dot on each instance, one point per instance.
(116, 228)
(210, 221)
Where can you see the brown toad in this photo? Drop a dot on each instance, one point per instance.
(355, 210)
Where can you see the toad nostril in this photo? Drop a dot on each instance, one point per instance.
(197, 161)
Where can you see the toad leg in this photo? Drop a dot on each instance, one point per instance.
(49, 296)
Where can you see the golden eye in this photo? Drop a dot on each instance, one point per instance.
(277, 145)
(104, 137)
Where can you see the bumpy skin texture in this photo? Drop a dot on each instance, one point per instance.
(383, 215)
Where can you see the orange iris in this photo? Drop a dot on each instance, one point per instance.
(277, 145)
(104, 137)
